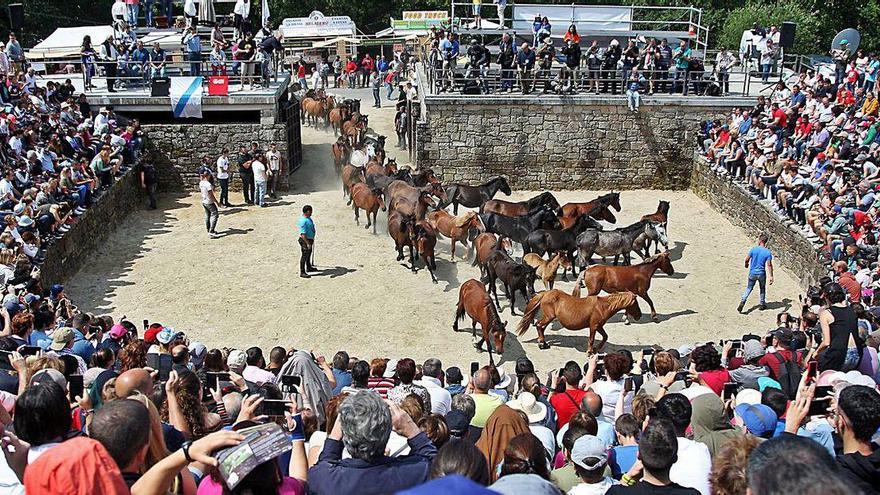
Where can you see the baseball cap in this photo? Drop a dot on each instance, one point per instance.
(60, 338)
(589, 452)
(152, 332)
(197, 353)
(453, 375)
(458, 423)
(56, 290)
(752, 349)
(747, 396)
(757, 418)
(236, 361)
(766, 382)
(783, 334)
(49, 375)
(13, 307)
(118, 331)
(30, 298)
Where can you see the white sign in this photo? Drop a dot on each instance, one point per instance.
(317, 25)
(586, 18)
(186, 97)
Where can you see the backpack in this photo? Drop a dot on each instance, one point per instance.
(789, 376)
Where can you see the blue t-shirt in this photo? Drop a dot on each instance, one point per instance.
(343, 379)
(758, 258)
(621, 459)
(307, 227)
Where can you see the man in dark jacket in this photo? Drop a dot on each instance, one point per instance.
(568, 74)
(609, 67)
(506, 59)
(247, 175)
(525, 64)
(857, 419)
(545, 55)
(365, 423)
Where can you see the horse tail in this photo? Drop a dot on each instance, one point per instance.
(530, 313)
(459, 310)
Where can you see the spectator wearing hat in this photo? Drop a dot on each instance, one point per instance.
(782, 343)
(116, 338)
(236, 361)
(455, 382)
(63, 342)
(590, 457)
(748, 373)
(197, 353)
(536, 413)
(757, 419)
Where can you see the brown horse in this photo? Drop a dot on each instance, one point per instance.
(473, 301)
(484, 244)
(341, 153)
(635, 278)
(355, 128)
(337, 116)
(546, 269)
(575, 313)
(417, 210)
(511, 209)
(603, 213)
(351, 175)
(369, 200)
(375, 167)
(399, 227)
(315, 109)
(456, 228)
(401, 188)
(424, 239)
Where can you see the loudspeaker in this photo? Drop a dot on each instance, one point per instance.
(786, 35)
(161, 87)
(16, 16)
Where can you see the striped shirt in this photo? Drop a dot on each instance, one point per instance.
(381, 385)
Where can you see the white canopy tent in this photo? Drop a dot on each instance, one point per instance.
(66, 42)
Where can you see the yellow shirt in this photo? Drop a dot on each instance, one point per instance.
(485, 406)
(870, 107)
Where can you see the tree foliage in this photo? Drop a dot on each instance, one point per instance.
(807, 32)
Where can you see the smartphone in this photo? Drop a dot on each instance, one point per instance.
(683, 376)
(146, 324)
(729, 391)
(812, 371)
(823, 391)
(736, 344)
(627, 385)
(75, 386)
(474, 367)
(648, 352)
(29, 350)
(768, 340)
(275, 407)
(5, 364)
(819, 407)
(215, 377)
(289, 383)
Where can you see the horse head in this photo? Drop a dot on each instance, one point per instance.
(426, 199)
(585, 222)
(661, 235)
(664, 263)
(663, 207)
(429, 176)
(390, 166)
(498, 329)
(503, 186)
(605, 213)
(632, 305)
(403, 174)
(547, 219)
(548, 199)
(437, 190)
(380, 197)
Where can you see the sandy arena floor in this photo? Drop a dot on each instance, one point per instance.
(243, 288)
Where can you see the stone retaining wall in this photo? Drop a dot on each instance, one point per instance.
(178, 149)
(552, 142)
(65, 257)
(797, 253)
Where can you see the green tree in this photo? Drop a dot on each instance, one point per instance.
(807, 38)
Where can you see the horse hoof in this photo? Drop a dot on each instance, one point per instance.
(366, 226)
(543, 345)
(626, 321)
(655, 319)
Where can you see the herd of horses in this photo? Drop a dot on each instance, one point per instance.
(551, 236)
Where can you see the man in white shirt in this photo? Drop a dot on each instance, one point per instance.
(223, 176)
(274, 159)
(693, 464)
(7, 191)
(441, 399)
(260, 179)
(4, 61)
(254, 371)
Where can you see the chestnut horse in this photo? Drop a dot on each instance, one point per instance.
(512, 209)
(635, 278)
(546, 269)
(369, 200)
(351, 175)
(424, 240)
(484, 245)
(341, 152)
(399, 227)
(337, 116)
(456, 228)
(575, 313)
(473, 301)
(417, 210)
(611, 199)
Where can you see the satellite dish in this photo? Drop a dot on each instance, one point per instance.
(850, 35)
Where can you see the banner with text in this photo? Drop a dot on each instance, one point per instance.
(586, 18)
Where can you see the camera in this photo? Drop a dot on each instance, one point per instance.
(814, 296)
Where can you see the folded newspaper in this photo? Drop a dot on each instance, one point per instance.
(261, 443)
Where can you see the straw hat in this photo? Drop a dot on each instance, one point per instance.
(527, 403)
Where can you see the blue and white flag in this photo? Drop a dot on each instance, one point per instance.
(186, 97)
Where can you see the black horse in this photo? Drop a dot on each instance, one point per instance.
(515, 277)
(544, 241)
(519, 227)
(474, 196)
(381, 181)
(423, 177)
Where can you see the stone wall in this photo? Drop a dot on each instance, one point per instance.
(178, 149)
(551, 142)
(731, 199)
(65, 257)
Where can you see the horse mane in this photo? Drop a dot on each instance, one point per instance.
(636, 226)
(620, 299)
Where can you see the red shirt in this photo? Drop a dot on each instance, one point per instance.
(301, 72)
(715, 379)
(351, 67)
(381, 385)
(771, 362)
(566, 404)
(851, 286)
(782, 116)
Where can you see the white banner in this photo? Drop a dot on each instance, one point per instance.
(317, 25)
(186, 97)
(586, 18)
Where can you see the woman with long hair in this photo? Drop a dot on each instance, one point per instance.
(183, 483)
(87, 58)
(186, 412)
(133, 355)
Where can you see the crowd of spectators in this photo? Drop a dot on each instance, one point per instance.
(90, 402)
